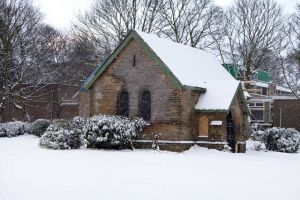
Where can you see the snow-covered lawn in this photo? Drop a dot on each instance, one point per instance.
(28, 172)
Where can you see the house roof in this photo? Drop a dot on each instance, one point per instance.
(186, 66)
(192, 67)
(218, 95)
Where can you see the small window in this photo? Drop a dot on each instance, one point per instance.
(123, 103)
(133, 61)
(259, 104)
(257, 115)
(145, 105)
(251, 104)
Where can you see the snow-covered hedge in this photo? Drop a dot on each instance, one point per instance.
(57, 137)
(281, 139)
(13, 129)
(111, 132)
(39, 126)
(100, 131)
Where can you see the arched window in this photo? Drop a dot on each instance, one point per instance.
(145, 105)
(123, 103)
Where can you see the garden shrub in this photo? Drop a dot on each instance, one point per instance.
(39, 126)
(13, 129)
(112, 132)
(259, 146)
(281, 139)
(57, 137)
(100, 131)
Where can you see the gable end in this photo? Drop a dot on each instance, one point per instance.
(131, 35)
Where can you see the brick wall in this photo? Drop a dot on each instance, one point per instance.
(171, 107)
(84, 104)
(47, 104)
(288, 112)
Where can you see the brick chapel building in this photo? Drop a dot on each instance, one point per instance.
(185, 94)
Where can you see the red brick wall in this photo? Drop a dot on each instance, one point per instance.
(46, 104)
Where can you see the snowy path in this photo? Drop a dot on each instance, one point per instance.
(28, 172)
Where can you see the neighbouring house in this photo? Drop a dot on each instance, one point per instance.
(48, 102)
(261, 101)
(270, 104)
(185, 94)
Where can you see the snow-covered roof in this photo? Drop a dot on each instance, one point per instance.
(197, 68)
(218, 95)
(260, 84)
(191, 66)
(284, 97)
(283, 89)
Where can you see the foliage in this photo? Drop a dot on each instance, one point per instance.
(110, 132)
(39, 126)
(259, 146)
(59, 138)
(257, 135)
(13, 129)
(281, 139)
(100, 131)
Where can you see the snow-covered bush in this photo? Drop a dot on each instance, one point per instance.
(110, 132)
(39, 126)
(60, 123)
(57, 137)
(259, 146)
(257, 135)
(281, 139)
(100, 131)
(13, 129)
(226, 148)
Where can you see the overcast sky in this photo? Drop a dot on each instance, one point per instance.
(60, 13)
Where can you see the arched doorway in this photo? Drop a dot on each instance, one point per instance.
(230, 131)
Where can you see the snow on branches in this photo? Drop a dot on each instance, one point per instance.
(100, 131)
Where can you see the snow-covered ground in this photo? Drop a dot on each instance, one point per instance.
(28, 172)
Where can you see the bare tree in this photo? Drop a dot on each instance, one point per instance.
(252, 30)
(105, 24)
(82, 59)
(291, 64)
(31, 54)
(19, 21)
(189, 22)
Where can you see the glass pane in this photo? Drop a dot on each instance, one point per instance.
(257, 115)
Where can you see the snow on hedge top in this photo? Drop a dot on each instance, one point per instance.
(191, 66)
(218, 95)
(195, 67)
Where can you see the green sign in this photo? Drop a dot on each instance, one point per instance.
(232, 69)
(263, 76)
